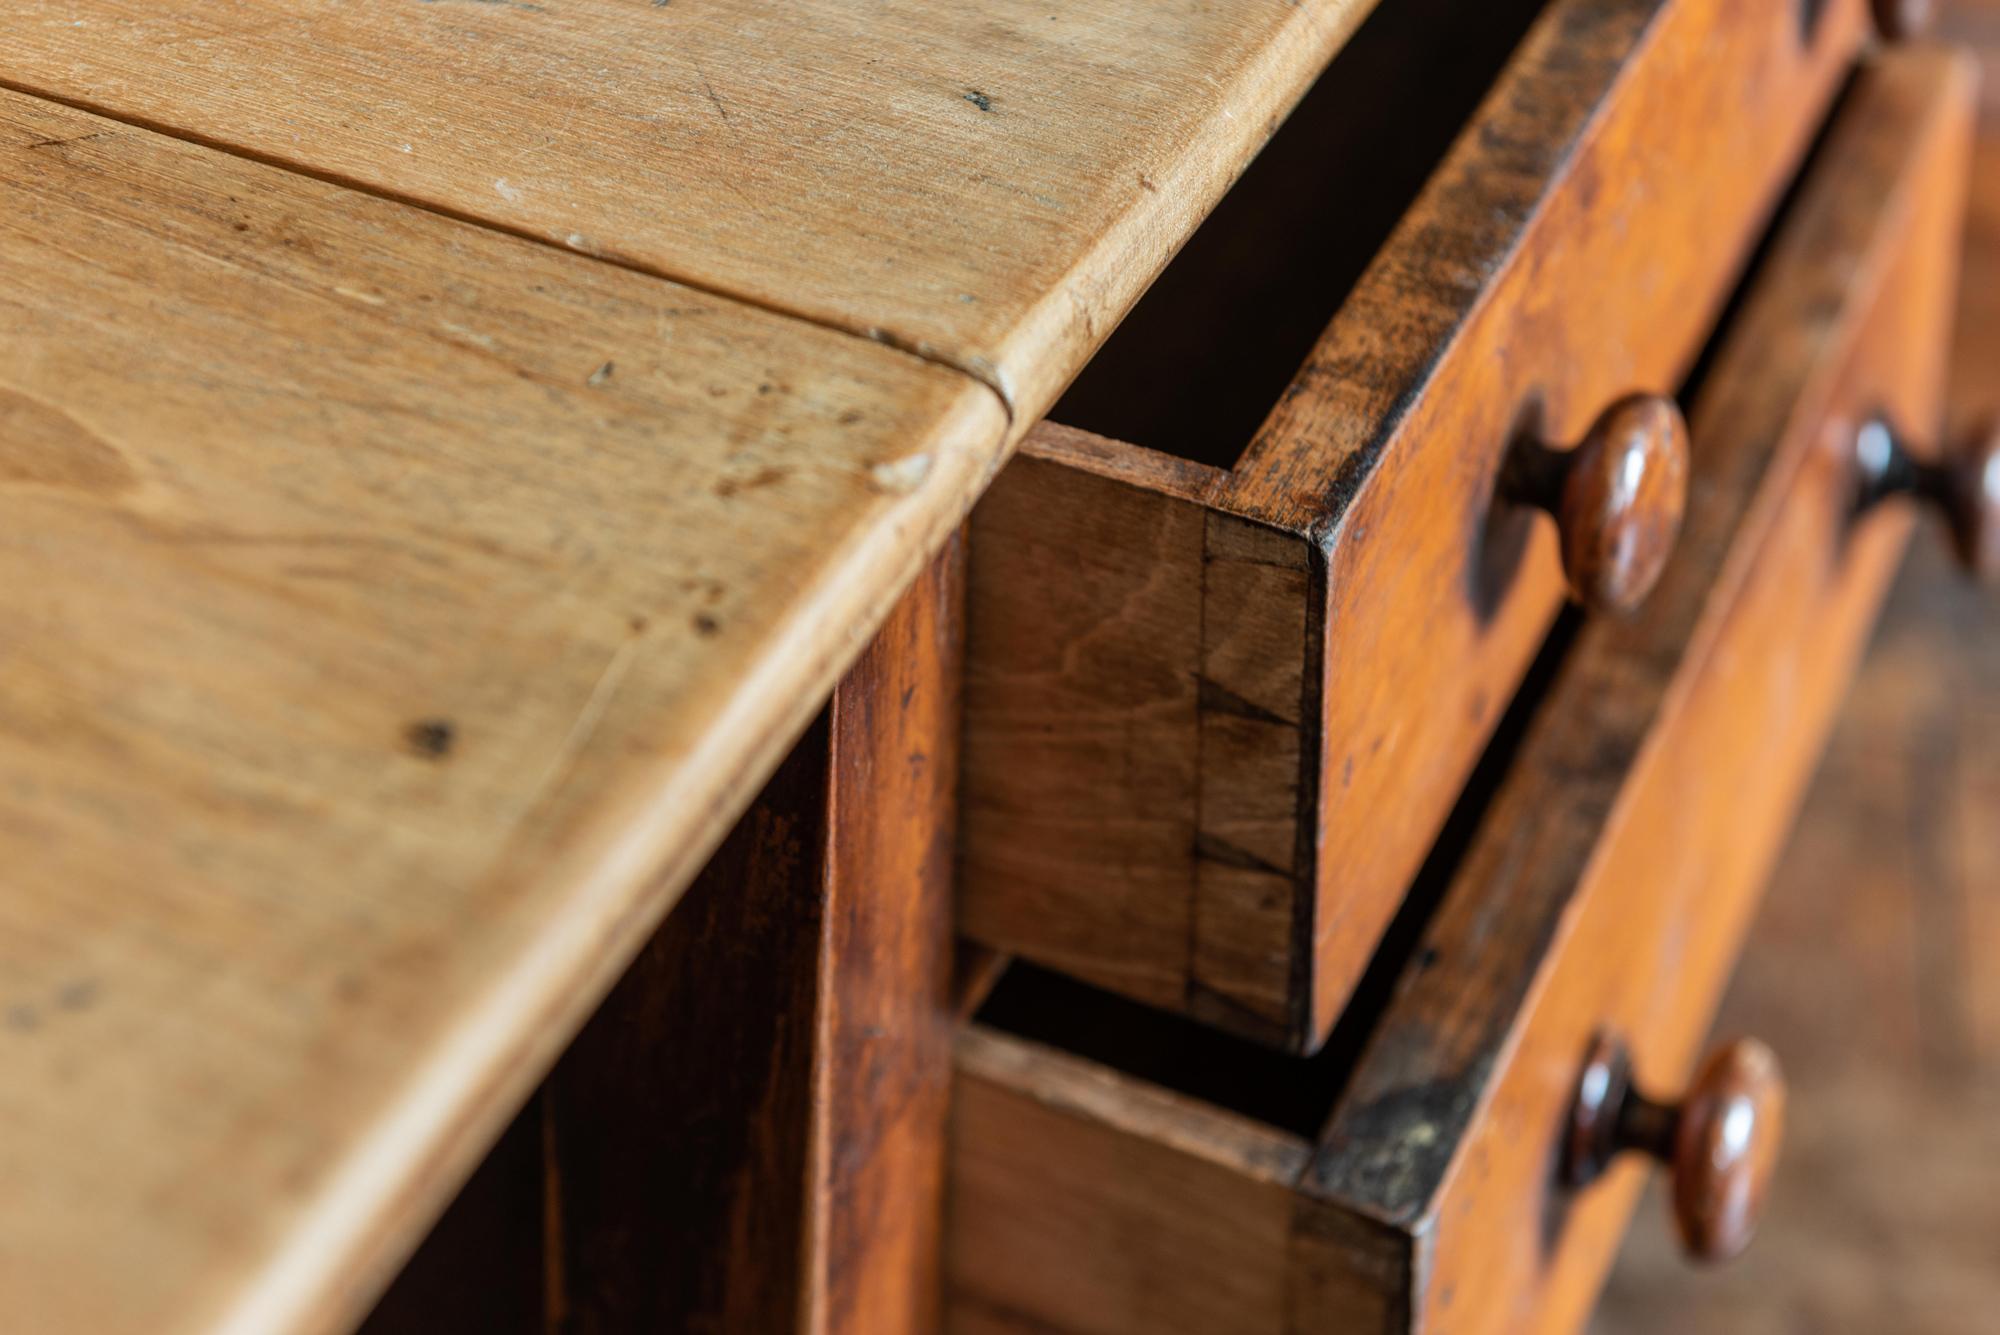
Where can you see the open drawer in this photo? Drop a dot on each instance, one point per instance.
(1118, 1170)
(1220, 703)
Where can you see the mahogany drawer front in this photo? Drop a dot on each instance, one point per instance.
(1216, 717)
(1603, 890)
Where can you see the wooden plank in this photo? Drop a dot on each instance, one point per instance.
(398, 613)
(1084, 644)
(1063, 1173)
(1258, 709)
(886, 1011)
(989, 185)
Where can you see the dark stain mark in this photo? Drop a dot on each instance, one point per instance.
(1391, 1153)
(1218, 699)
(764, 388)
(521, 5)
(714, 100)
(850, 417)
(1427, 958)
(1146, 184)
(23, 1019)
(431, 738)
(1209, 848)
(979, 99)
(704, 624)
(601, 374)
(243, 227)
(62, 141)
(1347, 773)
(77, 995)
(638, 624)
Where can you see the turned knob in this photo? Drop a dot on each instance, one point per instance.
(1719, 1143)
(1964, 485)
(1617, 498)
(1900, 20)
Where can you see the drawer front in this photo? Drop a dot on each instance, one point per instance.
(1350, 608)
(1604, 889)
(1615, 872)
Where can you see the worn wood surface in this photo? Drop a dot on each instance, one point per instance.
(1640, 815)
(990, 185)
(1610, 250)
(1576, 245)
(1875, 968)
(1875, 964)
(1605, 886)
(882, 1057)
(660, 1181)
(398, 612)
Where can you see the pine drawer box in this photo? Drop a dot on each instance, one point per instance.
(1447, 1162)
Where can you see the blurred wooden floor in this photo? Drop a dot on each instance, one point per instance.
(1874, 968)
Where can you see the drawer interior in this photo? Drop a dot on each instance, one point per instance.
(1198, 362)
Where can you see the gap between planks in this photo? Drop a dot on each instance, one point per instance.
(917, 348)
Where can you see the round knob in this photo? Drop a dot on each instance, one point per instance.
(1900, 20)
(1719, 1143)
(1617, 498)
(1965, 485)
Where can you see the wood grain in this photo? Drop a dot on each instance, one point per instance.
(1651, 793)
(1605, 887)
(398, 613)
(1083, 649)
(1575, 246)
(988, 185)
(882, 1065)
(1061, 1172)
(1657, 139)
(660, 1181)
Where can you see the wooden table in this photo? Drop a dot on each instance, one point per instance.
(483, 473)
(452, 449)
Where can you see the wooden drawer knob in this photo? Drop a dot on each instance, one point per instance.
(1964, 485)
(1900, 20)
(1719, 1143)
(1617, 498)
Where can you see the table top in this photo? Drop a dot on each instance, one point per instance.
(450, 450)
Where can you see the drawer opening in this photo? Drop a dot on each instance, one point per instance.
(1291, 1093)
(1197, 364)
